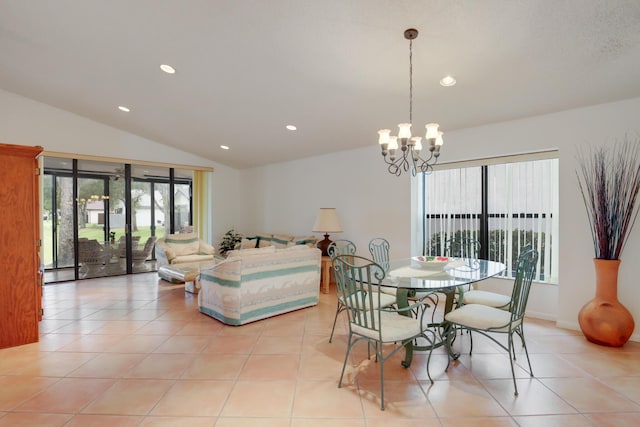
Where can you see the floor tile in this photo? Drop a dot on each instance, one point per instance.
(193, 398)
(129, 397)
(161, 366)
(130, 351)
(590, 395)
(462, 399)
(15, 390)
(321, 399)
(82, 420)
(215, 366)
(260, 399)
(615, 420)
(15, 419)
(578, 420)
(179, 422)
(69, 395)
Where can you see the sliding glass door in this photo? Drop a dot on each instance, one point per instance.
(102, 219)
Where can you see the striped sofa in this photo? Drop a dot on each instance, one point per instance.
(254, 284)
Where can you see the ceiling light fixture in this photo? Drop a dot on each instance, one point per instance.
(224, 147)
(168, 69)
(291, 127)
(123, 108)
(447, 81)
(411, 147)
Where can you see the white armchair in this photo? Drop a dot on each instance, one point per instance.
(182, 248)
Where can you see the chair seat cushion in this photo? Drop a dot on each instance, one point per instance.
(386, 300)
(394, 327)
(478, 316)
(490, 299)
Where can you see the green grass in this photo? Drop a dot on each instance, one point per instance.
(91, 232)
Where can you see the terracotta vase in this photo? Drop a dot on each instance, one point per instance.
(604, 320)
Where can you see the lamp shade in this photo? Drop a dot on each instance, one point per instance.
(327, 221)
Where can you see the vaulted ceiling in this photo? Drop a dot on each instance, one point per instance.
(336, 69)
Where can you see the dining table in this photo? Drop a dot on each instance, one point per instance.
(411, 280)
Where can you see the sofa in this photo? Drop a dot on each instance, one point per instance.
(183, 248)
(258, 283)
(262, 240)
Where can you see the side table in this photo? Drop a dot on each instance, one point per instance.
(326, 274)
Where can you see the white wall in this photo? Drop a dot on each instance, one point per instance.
(285, 197)
(26, 122)
(373, 203)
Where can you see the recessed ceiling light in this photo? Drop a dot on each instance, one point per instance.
(447, 81)
(224, 147)
(291, 127)
(123, 108)
(168, 69)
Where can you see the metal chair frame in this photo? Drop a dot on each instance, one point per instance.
(525, 272)
(335, 248)
(356, 279)
(379, 250)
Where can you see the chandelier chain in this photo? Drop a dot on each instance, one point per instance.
(410, 81)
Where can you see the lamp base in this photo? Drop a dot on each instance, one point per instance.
(323, 245)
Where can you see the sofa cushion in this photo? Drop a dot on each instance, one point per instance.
(192, 258)
(304, 240)
(264, 240)
(281, 240)
(256, 251)
(205, 249)
(183, 244)
(248, 243)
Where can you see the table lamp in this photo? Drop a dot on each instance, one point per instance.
(326, 222)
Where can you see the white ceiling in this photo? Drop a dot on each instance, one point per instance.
(337, 69)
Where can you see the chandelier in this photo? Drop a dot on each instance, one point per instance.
(411, 148)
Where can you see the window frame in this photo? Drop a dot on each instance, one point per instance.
(548, 269)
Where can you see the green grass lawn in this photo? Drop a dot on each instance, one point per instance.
(91, 232)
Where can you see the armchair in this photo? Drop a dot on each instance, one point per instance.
(92, 257)
(141, 255)
(182, 248)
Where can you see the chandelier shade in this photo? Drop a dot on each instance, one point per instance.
(412, 156)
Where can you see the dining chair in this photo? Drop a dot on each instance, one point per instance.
(490, 320)
(348, 248)
(462, 247)
(491, 299)
(335, 248)
(379, 249)
(381, 327)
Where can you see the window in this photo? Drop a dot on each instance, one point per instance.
(504, 206)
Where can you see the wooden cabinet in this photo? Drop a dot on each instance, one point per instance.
(20, 276)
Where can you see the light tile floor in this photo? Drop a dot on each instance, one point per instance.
(134, 351)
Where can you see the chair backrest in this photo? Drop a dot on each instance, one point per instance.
(379, 249)
(462, 247)
(148, 246)
(525, 272)
(122, 245)
(90, 251)
(356, 278)
(341, 247)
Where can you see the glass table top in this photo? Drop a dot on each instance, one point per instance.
(410, 274)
